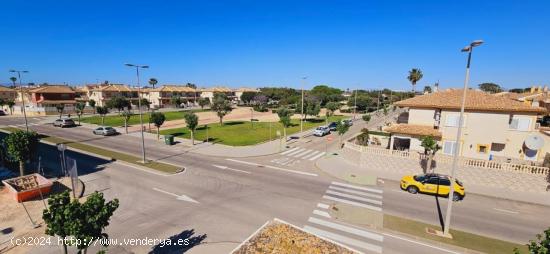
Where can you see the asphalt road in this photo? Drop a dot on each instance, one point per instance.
(234, 201)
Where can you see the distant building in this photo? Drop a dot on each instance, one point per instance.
(161, 97)
(103, 93)
(209, 93)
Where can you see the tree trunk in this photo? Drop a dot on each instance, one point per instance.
(284, 131)
(340, 138)
(158, 132)
(221, 121)
(103, 120)
(21, 168)
(126, 125)
(64, 247)
(192, 137)
(429, 166)
(79, 120)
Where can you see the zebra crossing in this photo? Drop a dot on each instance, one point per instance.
(321, 222)
(297, 154)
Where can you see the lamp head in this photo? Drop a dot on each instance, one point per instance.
(476, 43)
(129, 64)
(145, 66)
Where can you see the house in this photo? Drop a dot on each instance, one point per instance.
(536, 96)
(239, 92)
(7, 94)
(160, 97)
(495, 127)
(103, 93)
(209, 93)
(52, 95)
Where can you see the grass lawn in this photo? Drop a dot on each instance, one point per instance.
(241, 133)
(117, 120)
(163, 167)
(460, 238)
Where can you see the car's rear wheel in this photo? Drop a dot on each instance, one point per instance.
(456, 197)
(412, 189)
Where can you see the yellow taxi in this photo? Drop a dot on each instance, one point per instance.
(432, 183)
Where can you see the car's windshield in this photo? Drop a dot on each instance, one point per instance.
(419, 178)
(109, 128)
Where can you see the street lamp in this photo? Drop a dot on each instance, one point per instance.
(302, 116)
(22, 96)
(468, 49)
(139, 106)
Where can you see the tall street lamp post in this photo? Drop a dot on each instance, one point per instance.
(22, 96)
(139, 106)
(302, 116)
(468, 49)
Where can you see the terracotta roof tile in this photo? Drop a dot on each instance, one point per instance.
(6, 89)
(413, 129)
(52, 89)
(475, 100)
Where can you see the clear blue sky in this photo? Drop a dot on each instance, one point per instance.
(346, 44)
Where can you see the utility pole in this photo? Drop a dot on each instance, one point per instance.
(302, 116)
(447, 224)
(355, 105)
(22, 96)
(139, 106)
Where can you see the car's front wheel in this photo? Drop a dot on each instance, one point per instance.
(412, 189)
(456, 197)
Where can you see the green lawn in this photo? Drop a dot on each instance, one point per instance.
(116, 120)
(241, 133)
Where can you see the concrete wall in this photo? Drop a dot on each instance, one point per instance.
(421, 116)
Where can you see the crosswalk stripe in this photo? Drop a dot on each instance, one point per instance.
(302, 153)
(321, 205)
(344, 239)
(347, 229)
(295, 152)
(289, 151)
(345, 201)
(317, 156)
(357, 187)
(368, 200)
(355, 192)
(310, 155)
(321, 213)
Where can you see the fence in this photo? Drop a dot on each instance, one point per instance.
(440, 158)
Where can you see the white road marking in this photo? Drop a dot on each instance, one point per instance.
(345, 201)
(358, 187)
(505, 211)
(310, 155)
(272, 167)
(317, 156)
(420, 243)
(289, 151)
(178, 197)
(344, 239)
(228, 168)
(321, 205)
(351, 230)
(368, 200)
(303, 153)
(355, 192)
(295, 152)
(321, 213)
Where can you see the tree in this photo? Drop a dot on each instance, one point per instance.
(80, 110)
(119, 103)
(192, 121)
(204, 102)
(427, 89)
(430, 148)
(518, 90)
(60, 108)
(363, 102)
(539, 246)
(176, 101)
(153, 82)
(13, 79)
(284, 118)
(10, 104)
(363, 138)
(145, 102)
(191, 85)
(415, 75)
(326, 94)
(221, 106)
(331, 108)
(312, 106)
(126, 115)
(84, 222)
(342, 127)
(260, 103)
(366, 118)
(21, 146)
(157, 118)
(490, 87)
(92, 102)
(248, 97)
(102, 111)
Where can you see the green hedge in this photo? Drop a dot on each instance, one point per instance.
(379, 133)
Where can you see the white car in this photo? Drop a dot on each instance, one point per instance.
(321, 131)
(105, 131)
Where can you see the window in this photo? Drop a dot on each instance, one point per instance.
(449, 147)
(482, 148)
(520, 124)
(497, 147)
(453, 119)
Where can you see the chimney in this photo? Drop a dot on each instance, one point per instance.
(540, 89)
(436, 87)
(532, 89)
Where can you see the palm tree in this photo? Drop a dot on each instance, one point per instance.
(415, 75)
(152, 82)
(13, 79)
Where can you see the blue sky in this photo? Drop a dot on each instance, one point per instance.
(347, 44)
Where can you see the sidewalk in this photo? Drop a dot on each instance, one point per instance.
(339, 167)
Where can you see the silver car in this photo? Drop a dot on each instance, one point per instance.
(64, 122)
(105, 131)
(321, 131)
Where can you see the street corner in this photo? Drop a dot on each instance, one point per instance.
(358, 216)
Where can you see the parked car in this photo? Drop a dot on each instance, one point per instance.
(64, 122)
(105, 131)
(348, 122)
(332, 126)
(2, 113)
(321, 131)
(436, 184)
